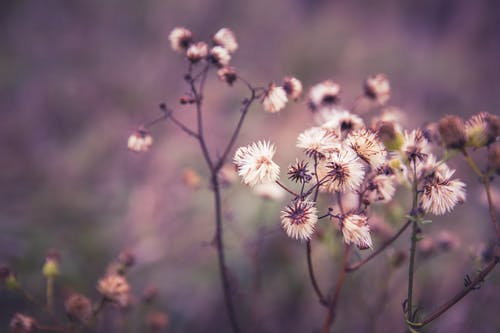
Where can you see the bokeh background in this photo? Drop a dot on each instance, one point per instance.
(77, 77)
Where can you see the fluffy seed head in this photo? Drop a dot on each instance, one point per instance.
(140, 141)
(197, 51)
(341, 121)
(78, 308)
(225, 37)
(114, 288)
(298, 172)
(325, 93)
(318, 142)
(380, 188)
(343, 170)
(452, 132)
(274, 99)
(219, 56)
(293, 87)
(356, 231)
(415, 145)
(299, 218)
(366, 145)
(227, 74)
(377, 87)
(180, 39)
(440, 193)
(482, 129)
(255, 163)
(22, 324)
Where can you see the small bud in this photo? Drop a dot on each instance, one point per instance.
(126, 258)
(149, 294)
(78, 308)
(228, 75)
(377, 87)
(157, 321)
(140, 141)
(452, 131)
(197, 51)
(22, 324)
(51, 266)
(494, 157)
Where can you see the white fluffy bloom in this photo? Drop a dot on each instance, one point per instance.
(299, 218)
(440, 193)
(343, 171)
(340, 121)
(255, 163)
(140, 141)
(415, 146)
(293, 87)
(180, 39)
(317, 142)
(219, 56)
(380, 188)
(323, 94)
(225, 37)
(275, 99)
(368, 147)
(356, 231)
(197, 51)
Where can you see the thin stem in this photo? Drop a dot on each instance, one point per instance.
(472, 164)
(413, 247)
(491, 206)
(316, 186)
(455, 299)
(330, 317)
(50, 293)
(314, 283)
(286, 189)
(360, 263)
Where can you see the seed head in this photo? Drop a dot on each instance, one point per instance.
(452, 132)
(415, 146)
(225, 38)
(325, 93)
(255, 163)
(180, 39)
(293, 87)
(377, 87)
(343, 171)
(140, 141)
(298, 172)
(228, 75)
(197, 51)
(318, 142)
(341, 121)
(274, 99)
(440, 193)
(299, 218)
(366, 145)
(78, 308)
(219, 56)
(356, 230)
(482, 129)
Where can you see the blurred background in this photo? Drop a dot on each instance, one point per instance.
(77, 77)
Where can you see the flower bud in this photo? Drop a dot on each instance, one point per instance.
(51, 266)
(452, 131)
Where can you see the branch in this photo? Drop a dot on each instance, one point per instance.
(321, 298)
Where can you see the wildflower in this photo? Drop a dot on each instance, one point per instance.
(440, 194)
(356, 231)
(366, 145)
(341, 121)
(269, 191)
(430, 168)
(298, 172)
(157, 321)
(78, 308)
(219, 56)
(482, 129)
(452, 132)
(140, 141)
(197, 51)
(299, 218)
(325, 93)
(226, 39)
(293, 87)
(227, 74)
(114, 288)
(274, 99)
(255, 163)
(380, 188)
(377, 87)
(415, 146)
(180, 39)
(343, 171)
(22, 324)
(318, 142)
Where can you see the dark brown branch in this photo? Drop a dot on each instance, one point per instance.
(286, 189)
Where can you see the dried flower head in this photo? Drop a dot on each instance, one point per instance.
(380, 188)
(415, 146)
(452, 132)
(341, 121)
(366, 145)
(356, 230)
(482, 129)
(225, 37)
(299, 218)
(343, 171)
(114, 288)
(219, 56)
(140, 141)
(180, 39)
(22, 324)
(274, 99)
(325, 93)
(318, 142)
(78, 308)
(298, 172)
(157, 321)
(440, 193)
(227, 74)
(255, 163)
(293, 87)
(197, 51)
(377, 87)
(388, 133)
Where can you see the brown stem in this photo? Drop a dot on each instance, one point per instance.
(330, 317)
(314, 283)
(286, 188)
(355, 266)
(455, 299)
(491, 206)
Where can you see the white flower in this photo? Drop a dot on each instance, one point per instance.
(255, 164)
(378, 88)
(219, 56)
(342, 171)
(293, 87)
(180, 39)
(367, 146)
(323, 94)
(380, 188)
(318, 142)
(197, 51)
(356, 231)
(440, 194)
(415, 146)
(275, 99)
(339, 120)
(299, 219)
(140, 141)
(225, 38)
